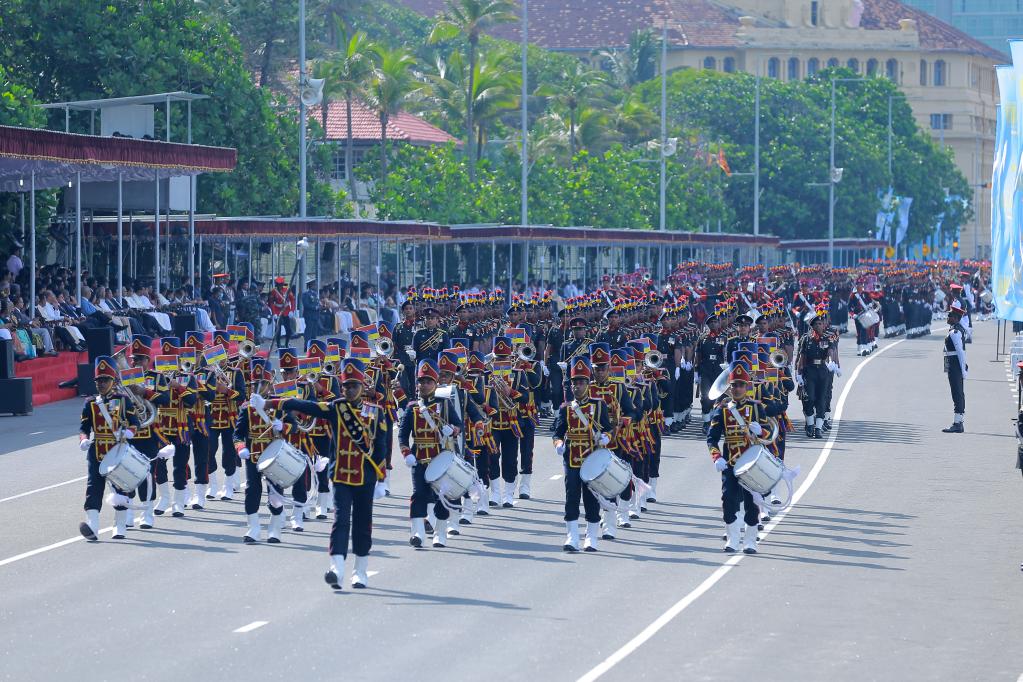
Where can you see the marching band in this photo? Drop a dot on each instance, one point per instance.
(464, 383)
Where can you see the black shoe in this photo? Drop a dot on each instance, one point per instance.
(330, 577)
(158, 512)
(590, 549)
(955, 428)
(494, 504)
(482, 512)
(274, 541)
(729, 550)
(197, 507)
(523, 496)
(507, 505)
(415, 541)
(827, 424)
(178, 515)
(817, 434)
(144, 526)
(321, 517)
(760, 526)
(464, 522)
(429, 527)
(86, 531)
(808, 430)
(249, 541)
(749, 550)
(453, 531)
(570, 548)
(607, 536)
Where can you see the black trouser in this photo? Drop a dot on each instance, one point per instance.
(556, 385)
(682, 392)
(655, 455)
(708, 373)
(574, 489)
(526, 445)
(955, 382)
(205, 463)
(862, 337)
(732, 495)
(324, 447)
(148, 447)
(160, 471)
(480, 459)
(179, 463)
(815, 382)
(494, 458)
(621, 454)
(284, 325)
(422, 495)
(509, 446)
(353, 515)
(223, 439)
(300, 490)
(96, 484)
(254, 490)
(388, 440)
(312, 328)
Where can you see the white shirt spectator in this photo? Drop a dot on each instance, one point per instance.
(14, 265)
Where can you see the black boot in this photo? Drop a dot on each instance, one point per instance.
(809, 431)
(955, 428)
(817, 434)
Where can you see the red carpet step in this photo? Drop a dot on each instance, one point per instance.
(46, 373)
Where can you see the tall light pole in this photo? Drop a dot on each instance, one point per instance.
(525, 118)
(664, 121)
(301, 108)
(756, 155)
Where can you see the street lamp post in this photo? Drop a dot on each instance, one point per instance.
(524, 199)
(664, 123)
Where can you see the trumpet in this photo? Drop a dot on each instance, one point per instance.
(525, 352)
(384, 347)
(654, 359)
(779, 358)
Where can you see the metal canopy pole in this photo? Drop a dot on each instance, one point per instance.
(120, 232)
(379, 261)
(32, 224)
(156, 234)
(493, 264)
(511, 267)
(78, 238)
(252, 259)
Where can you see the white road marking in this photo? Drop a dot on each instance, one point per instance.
(254, 625)
(36, 433)
(370, 574)
(553, 478)
(47, 548)
(39, 490)
(701, 589)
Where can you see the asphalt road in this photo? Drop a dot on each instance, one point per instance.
(900, 560)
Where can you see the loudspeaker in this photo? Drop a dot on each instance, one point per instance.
(6, 359)
(100, 341)
(86, 383)
(183, 323)
(16, 396)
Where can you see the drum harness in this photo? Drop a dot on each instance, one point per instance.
(424, 410)
(788, 476)
(639, 484)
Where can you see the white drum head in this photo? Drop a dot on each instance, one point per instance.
(595, 464)
(112, 459)
(438, 465)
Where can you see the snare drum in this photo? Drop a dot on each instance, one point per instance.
(868, 318)
(605, 474)
(125, 467)
(281, 463)
(757, 470)
(450, 476)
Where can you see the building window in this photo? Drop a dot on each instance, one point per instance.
(710, 63)
(854, 65)
(793, 68)
(923, 72)
(941, 121)
(891, 70)
(833, 62)
(940, 73)
(813, 65)
(814, 13)
(729, 64)
(871, 67)
(773, 68)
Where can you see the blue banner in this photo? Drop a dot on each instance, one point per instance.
(1006, 260)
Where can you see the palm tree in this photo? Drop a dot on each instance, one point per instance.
(469, 18)
(348, 72)
(578, 87)
(393, 86)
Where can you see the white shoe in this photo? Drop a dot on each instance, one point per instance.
(90, 527)
(652, 495)
(214, 487)
(440, 534)
(509, 493)
(465, 516)
(322, 505)
(418, 533)
(297, 514)
(572, 537)
(749, 540)
(634, 506)
(273, 534)
(609, 524)
(178, 507)
(120, 524)
(336, 575)
(524, 489)
(483, 508)
(360, 577)
(199, 501)
(622, 515)
(252, 534)
(733, 530)
(148, 519)
(230, 485)
(592, 537)
(164, 503)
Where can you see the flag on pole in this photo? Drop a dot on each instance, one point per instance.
(166, 363)
(286, 389)
(214, 355)
(133, 376)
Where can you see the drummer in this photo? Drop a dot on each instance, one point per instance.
(581, 426)
(739, 420)
(148, 440)
(425, 423)
(472, 417)
(358, 470)
(106, 421)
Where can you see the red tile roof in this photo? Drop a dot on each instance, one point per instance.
(366, 125)
(591, 24)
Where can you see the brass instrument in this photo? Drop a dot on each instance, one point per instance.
(654, 359)
(779, 358)
(145, 409)
(526, 352)
(384, 347)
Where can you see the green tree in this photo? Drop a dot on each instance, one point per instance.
(468, 19)
(577, 88)
(348, 72)
(393, 87)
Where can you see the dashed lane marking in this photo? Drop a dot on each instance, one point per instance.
(47, 548)
(39, 490)
(553, 478)
(254, 625)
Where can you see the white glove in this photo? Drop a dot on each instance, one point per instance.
(678, 372)
(379, 490)
(399, 414)
(604, 439)
(277, 425)
(965, 375)
(128, 434)
(563, 366)
(410, 460)
(244, 453)
(85, 444)
(446, 430)
(257, 401)
(837, 371)
(321, 463)
(830, 364)
(560, 448)
(799, 380)
(720, 464)
(756, 429)
(411, 354)
(688, 366)
(546, 370)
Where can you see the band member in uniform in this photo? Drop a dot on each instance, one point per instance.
(282, 306)
(175, 422)
(322, 388)
(738, 419)
(404, 334)
(551, 355)
(287, 360)
(813, 371)
(580, 427)
(955, 366)
(425, 425)
(709, 356)
(148, 440)
(474, 420)
(199, 432)
(357, 470)
(430, 341)
(526, 379)
(255, 430)
(225, 396)
(576, 347)
(106, 421)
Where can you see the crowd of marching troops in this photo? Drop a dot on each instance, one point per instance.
(619, 368)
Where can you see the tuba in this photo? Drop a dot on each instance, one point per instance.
(145, 409)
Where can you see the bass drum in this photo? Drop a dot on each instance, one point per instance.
(758, 471)
(868, 318)
(125, 467)
(605, 474)
(282, 464)
(450, 476)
